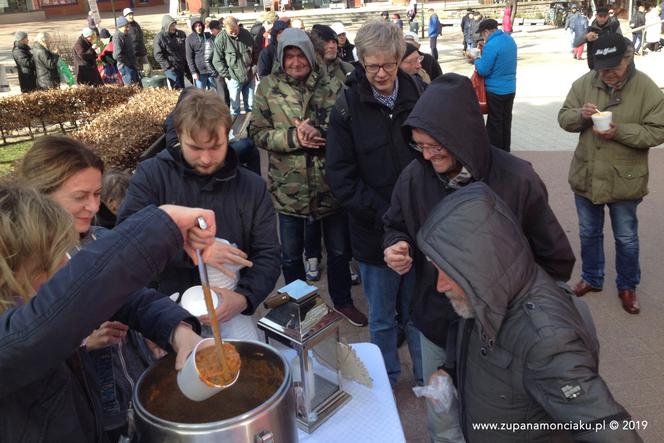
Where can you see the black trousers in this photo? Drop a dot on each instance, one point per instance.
(499, 121)
(433, 44)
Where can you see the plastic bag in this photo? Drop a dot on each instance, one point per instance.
(480, 91)
(65, 72)
(442, 397)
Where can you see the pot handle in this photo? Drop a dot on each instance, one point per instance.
(264, 437)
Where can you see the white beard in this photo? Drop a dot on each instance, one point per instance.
(463, 308)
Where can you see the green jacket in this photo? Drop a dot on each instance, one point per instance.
(234, 57)
(296, 175)
(606, 171)
(339, 69)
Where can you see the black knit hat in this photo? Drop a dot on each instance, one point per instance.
(325, 33)
(104, 33)
(410, 48)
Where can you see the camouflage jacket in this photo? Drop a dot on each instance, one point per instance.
(296, 175)
(339, 69)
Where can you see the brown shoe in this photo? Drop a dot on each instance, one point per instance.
(582, 288)
(629, 302)
(353, 315)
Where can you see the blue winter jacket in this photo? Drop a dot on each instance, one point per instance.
(434, 26)
(498, 64)
(47, 393)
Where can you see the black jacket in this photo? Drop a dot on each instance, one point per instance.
(85, 62)
(530, 355)
(195, 47)
(245, 216)
(345, 52)
(169, 49)
(46, 63)
(123, 50)
(449, 99)
(48, 391)
(137, 39)
(611, 26)
(365, 154)
(25, 64)
(431, 66)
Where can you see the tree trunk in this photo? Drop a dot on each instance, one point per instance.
(513, 8)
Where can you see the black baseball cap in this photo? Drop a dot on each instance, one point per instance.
(487, 24)
(602, 10)
(608, 50)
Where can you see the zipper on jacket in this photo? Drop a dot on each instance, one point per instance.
(124, 366)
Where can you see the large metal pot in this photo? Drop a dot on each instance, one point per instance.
(259, 407)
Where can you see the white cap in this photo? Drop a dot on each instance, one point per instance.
(410, 35)
(86, 32)
(338, 27)
(127, 11)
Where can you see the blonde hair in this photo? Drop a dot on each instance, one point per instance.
(201, 113)
(35, 235)
(53, 159)
(379, 36)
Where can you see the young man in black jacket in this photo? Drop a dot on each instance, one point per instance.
(195, 46)
(203, 172)
(448, 135)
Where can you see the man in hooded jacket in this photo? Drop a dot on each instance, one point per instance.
(527, 351)
(293, 108)
(25, 63)
(195, 45)
(169, 51)
(453, 149)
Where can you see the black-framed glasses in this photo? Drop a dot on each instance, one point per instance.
(387, 67)
(419, 147)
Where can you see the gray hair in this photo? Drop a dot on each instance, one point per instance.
(379, 36)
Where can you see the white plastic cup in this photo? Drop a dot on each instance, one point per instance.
(189, 378)
(602, 120)
(220, 280)
(475, 53)
(193, 300)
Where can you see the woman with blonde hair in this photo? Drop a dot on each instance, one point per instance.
(47, 390)
(46, 62)
(69, 172)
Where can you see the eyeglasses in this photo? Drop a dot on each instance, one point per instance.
(435, 149)
(387, 67)
(413, 61)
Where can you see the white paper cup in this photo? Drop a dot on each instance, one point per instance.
(189, 379)
(602, 120)
(193, 300)
(475, 52)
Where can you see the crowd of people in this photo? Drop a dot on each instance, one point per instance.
(372, 149)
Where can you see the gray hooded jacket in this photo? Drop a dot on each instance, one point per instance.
(530, 355)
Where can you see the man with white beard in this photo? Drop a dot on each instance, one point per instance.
(527, 352)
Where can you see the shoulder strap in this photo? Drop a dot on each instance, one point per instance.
(341, 104)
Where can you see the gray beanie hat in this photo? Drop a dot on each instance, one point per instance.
(20, 35)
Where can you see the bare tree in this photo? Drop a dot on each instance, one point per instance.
(513, 8)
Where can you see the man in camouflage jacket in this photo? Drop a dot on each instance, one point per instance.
(291, 126)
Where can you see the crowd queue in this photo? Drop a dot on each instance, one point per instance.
(372, 149)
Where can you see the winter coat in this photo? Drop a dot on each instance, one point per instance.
(108, 70)
(420, 188)
(209, 54)
(652, 32)
(606, 171)
(337, 69)
(268, 55)
(498, 64)
(123, 50)
(244, 212)
(530, 355)
(137, 39)
(465, 20)
(235, 56)
(611, 26)
(85, 63)
(48, 392)
(195, 45)
(638, 20)
(507, 20)
(345, 52)
(296, 174)
(431, 66)
(365, 154)
(470, 30)
(434, 26)
(169, 49)
(570, 19)
(46, 64)
(25, 65)
(580, 29)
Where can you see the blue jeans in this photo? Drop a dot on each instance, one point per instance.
(312, 236)
(129, 75)
(383, 288)
(625, 232)
(247, 154)
(637, 38)
(234, 91)
(337, 246)
(205, 81)
(175, 78)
